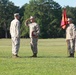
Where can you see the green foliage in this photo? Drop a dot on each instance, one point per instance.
(48, 15)
(71, 12)
(7, 9)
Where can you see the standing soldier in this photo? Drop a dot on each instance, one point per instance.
(15, 34)
(33, 33)
(70, 37)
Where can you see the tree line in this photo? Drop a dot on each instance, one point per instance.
(48, 14)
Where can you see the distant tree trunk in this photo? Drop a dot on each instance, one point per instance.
(6, 34)
(5, 28)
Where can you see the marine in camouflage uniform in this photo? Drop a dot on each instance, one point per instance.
(34, 31)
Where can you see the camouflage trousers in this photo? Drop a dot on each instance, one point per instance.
(33, 44)
(71, 46)
(15, 45)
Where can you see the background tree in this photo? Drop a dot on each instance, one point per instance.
(47, 13)
(71, 12)
(7, 9)
(24, 29)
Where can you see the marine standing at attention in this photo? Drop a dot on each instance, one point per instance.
(15, 34)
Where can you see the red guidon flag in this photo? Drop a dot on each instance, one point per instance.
(64, 21)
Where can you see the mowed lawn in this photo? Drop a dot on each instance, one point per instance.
(52, 58)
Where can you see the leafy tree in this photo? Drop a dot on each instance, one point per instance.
(47, 13)
(7, 9)
(24, 29)
(71, 12)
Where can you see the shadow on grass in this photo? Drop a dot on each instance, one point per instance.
(52, 56)
(47, 57)
(38, 57)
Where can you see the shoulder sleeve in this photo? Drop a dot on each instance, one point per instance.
(74, 30)
(17, 28)
(38, 29)
(10, 28)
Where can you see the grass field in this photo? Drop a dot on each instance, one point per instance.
(52, 58)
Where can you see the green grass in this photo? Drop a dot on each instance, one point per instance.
(52, 58)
